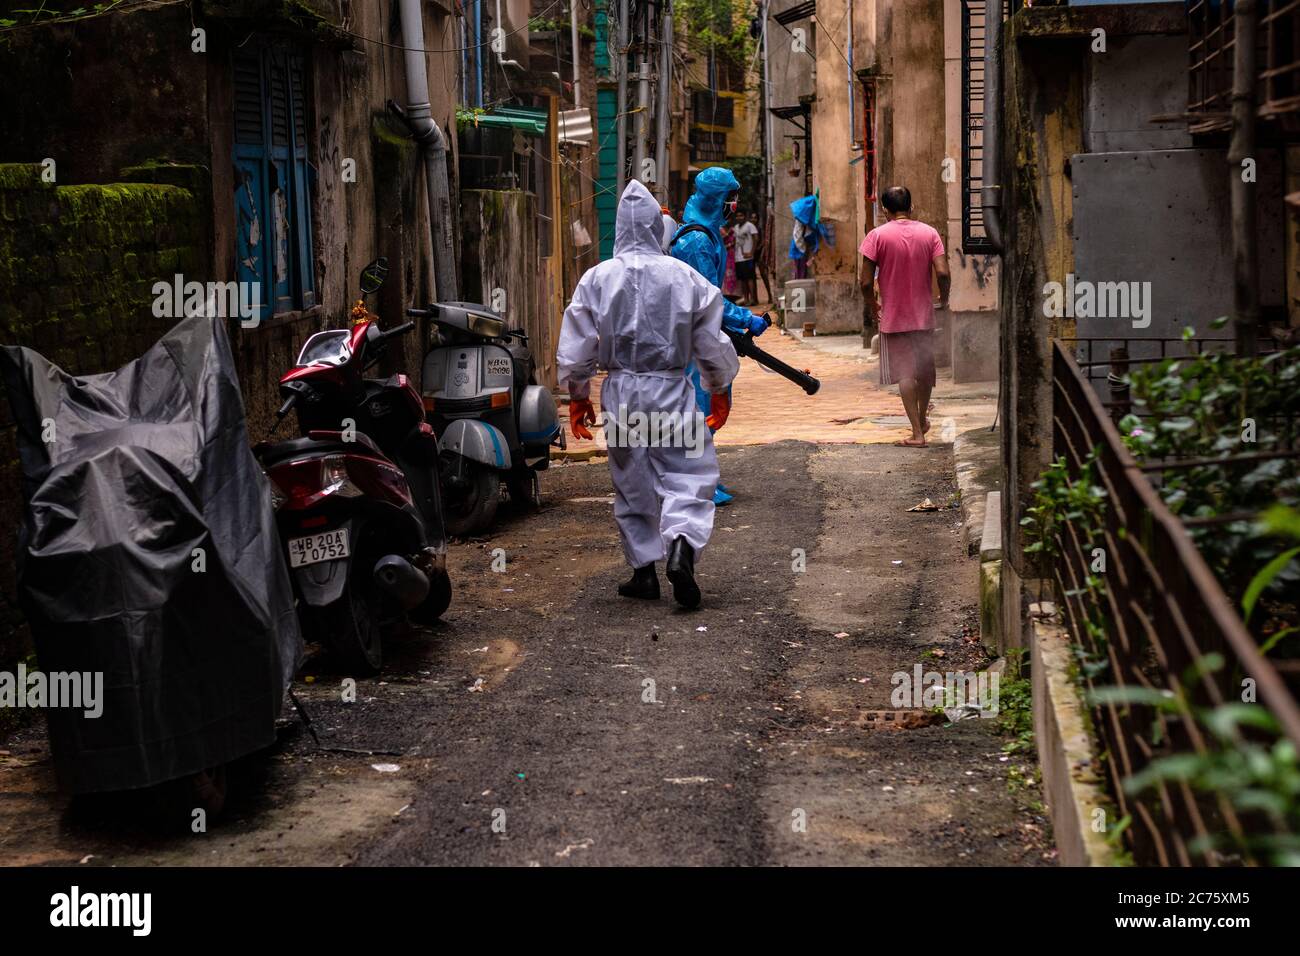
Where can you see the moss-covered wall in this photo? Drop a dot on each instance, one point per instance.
(77, 269)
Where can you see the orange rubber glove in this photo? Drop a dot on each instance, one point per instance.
(719, 409)
(581, 414)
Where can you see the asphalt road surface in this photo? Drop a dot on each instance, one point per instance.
(550, 722)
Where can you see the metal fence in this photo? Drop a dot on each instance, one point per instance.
(1159, 614)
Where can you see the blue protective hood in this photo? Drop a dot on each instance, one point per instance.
(712, 186)
(805, 210)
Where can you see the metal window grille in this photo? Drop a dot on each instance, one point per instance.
(974, 238)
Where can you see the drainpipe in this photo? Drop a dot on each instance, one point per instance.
(991, 192)
(770, 197)
(665, 103)
(621, 106)
(643, 112)
(848, 61)
(1245, 292)
(419, 118)
(500, 25)
(478, 53)
(577, 52)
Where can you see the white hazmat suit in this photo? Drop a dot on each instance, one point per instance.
(644, 317)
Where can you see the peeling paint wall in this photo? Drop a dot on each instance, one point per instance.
(1045, 120)
(501, 266)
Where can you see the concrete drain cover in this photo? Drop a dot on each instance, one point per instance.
(898, 719)
(891, 420)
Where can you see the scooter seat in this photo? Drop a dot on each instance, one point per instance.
(317, 443)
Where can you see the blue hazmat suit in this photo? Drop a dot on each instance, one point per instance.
(809, 229)
(707, 255)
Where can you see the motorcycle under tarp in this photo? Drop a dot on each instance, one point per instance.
(148, 552)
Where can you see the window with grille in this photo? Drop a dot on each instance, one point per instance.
(708, 146)
(713, 110)
(272, 198)
(974, 238)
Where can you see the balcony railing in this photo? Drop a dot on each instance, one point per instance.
(1211, 38)
(1158, 617)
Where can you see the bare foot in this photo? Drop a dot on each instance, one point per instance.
(925, 426)
(911, 443)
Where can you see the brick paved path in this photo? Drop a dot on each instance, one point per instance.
(850, 407)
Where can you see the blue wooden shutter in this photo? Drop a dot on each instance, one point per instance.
(250, 176)
(303, 272)
(280, 183)
(272, 187)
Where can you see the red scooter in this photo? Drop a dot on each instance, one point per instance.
(356, 496)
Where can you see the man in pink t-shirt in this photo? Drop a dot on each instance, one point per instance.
(904, 255)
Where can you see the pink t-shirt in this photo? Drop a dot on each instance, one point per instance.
(902, 250)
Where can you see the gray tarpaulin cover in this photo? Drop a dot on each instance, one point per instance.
(148, 552)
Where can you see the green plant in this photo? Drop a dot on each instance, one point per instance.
(1204, 409)
(51, 10)
(1059, 500)
(716, 27)
(1016, 705)
(1247, 761)
(1279, 521)
(750, 171)
(541, 25)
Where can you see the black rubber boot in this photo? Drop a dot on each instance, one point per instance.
(681, 571)
(643, 583)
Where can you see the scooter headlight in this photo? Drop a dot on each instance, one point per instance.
(486, 326)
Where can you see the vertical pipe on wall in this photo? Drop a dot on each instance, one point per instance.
(478, 52)
(853, 125)
(620, 107)
(577, 50)
(642, 124)
(767, 113)
(991, 167)
(1245, 292)
(665, 103)
(419, 117)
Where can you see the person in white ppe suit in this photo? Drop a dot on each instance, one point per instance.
(644, 317)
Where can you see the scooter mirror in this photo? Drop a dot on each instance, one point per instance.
(373, 276)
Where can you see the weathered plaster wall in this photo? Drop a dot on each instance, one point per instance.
(1046, 56)
(791, 72)
(501, 254)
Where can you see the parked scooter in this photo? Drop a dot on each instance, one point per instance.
(356, 496)
(494, 421)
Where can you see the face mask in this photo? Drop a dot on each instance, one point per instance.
(729, 208)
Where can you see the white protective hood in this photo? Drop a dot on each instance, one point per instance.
(643, 311)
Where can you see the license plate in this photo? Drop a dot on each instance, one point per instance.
(315, 548)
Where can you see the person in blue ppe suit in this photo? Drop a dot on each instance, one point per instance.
(712, 203)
